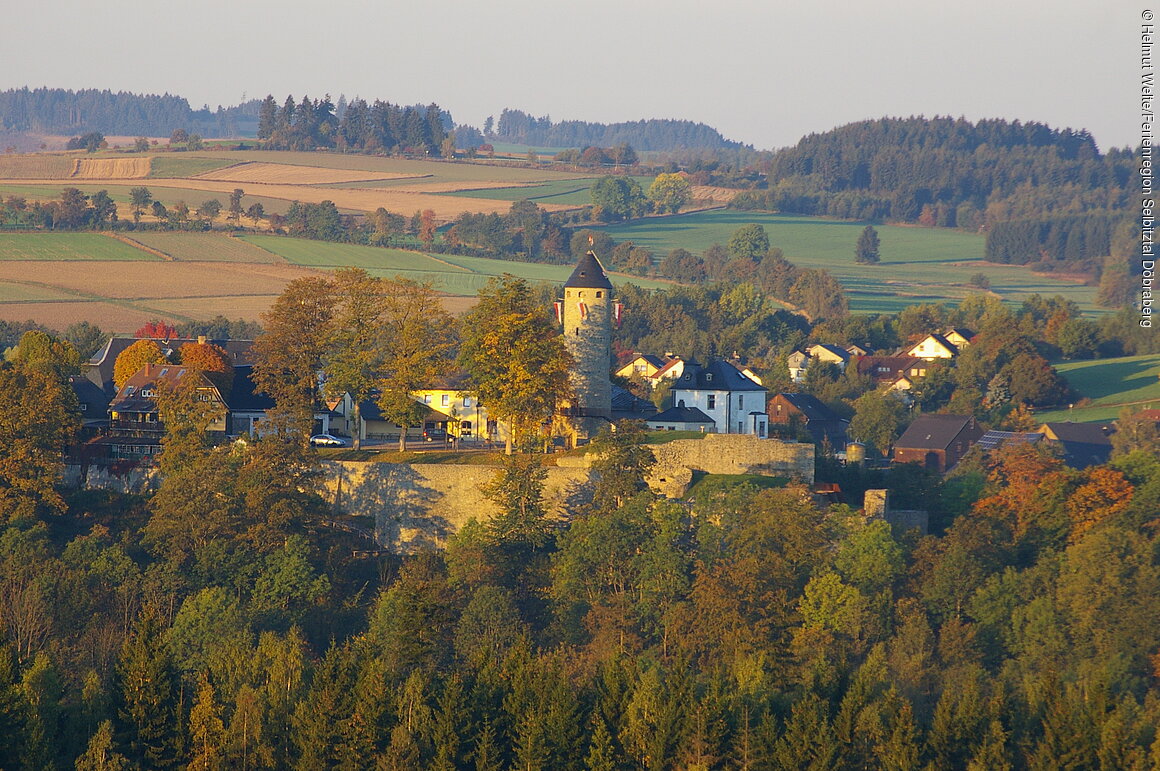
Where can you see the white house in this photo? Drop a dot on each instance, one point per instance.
(735, 403)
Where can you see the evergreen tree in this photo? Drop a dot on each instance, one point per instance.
(147, 694)
(866, 252)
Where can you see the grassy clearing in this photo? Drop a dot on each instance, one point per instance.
(202, 247)
(918, 264)
(68, 246)
(1111, 384)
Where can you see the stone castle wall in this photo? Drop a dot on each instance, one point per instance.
(418, 505)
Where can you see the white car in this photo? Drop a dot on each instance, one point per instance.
(326, 440)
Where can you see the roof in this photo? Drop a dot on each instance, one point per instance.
(681, 415)
(99, 367)
(717, 375)
(962, 332)
(625, 401)
(810, 406)
(589, 273)
(933, 432)
(1087, 433)
(994, 439)
(137, 395)
(1148, 415)
(946, 344)
(896, 365)
(834, 350)
(244, 397)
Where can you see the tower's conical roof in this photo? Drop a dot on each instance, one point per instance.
(589, 274)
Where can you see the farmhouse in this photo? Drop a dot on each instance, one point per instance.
(806, 411)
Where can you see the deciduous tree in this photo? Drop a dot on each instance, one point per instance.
(866, 251)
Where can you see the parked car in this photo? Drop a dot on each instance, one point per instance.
(326, 440)
(435, 435)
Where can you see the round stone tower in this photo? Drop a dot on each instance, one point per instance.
(587, 316)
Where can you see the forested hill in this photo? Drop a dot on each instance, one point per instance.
(63, 111)
(654, 134)
(954, 173)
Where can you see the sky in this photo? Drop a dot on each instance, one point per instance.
(763, 72)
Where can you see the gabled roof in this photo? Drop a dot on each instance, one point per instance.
(834, 350)
(962, 332)
(137, 395)
(933, 432)
(99, 367)
(1087, 433)
(947, 344)
(668, 367)
(682, 415)
(717, 375)
(589, 273)
(810, 407)
(896, 365)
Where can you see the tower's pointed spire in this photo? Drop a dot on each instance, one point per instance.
(589, 273)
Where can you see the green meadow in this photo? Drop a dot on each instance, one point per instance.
(1111, 385)
(918, 264)
(67, 246)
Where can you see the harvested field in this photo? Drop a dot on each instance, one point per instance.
(441, 170)
(66, 247)
(203, 247)
(153, 280)
(286, 174)
(36, 166)
(323, 254)
(248, 307)
(112, 317)
(111, 168)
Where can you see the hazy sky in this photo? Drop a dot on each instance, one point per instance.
(762, 72)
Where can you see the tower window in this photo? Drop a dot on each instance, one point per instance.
(600, 294)
(581, 293)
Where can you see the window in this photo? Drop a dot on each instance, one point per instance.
(444, 400)
(600, 294)
(466, 401)
(711, 401)
(741, 401)
(580, 294)
(426, 398)
(708, 377)
(681, 403)
(740, 427)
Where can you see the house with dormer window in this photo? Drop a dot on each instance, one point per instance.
(734, 402)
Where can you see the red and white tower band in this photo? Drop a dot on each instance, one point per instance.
(587, 313)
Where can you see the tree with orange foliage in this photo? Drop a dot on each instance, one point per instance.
(157, 330)
(1104, 493)
(134, 358)
(427, 227)
(206, 357)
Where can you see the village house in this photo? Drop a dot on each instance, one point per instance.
(945, 345)
(937, 442)
(734, 403)
(808, 412)
(1082, 444)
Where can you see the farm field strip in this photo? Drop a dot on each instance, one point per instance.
(438, 169)
(301, 251)
(178, 166)
(1111, 384)
(203, 247)
(168, 194)
(112, 168)
(22, 292)
(36, 166)
(52, 247)
(289, 174)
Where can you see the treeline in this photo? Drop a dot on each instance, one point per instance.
(655, 134)
(379, 127)
(948, 173)
(64, 111)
